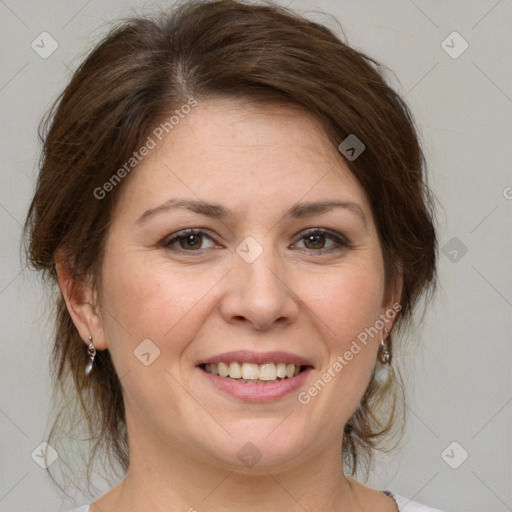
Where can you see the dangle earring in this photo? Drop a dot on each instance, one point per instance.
(384, 370)
(92, 355)
(385, 351)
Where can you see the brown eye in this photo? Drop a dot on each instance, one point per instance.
(314, 241)
(186, 241)
(190, 241)
(317, 240)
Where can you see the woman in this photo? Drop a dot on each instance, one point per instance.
(233, 204)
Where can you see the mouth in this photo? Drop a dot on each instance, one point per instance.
(256, 377)
(253, 373)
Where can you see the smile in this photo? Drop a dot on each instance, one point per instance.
(264, 378)
(254, 373)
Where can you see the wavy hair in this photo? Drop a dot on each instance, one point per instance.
(138, 74)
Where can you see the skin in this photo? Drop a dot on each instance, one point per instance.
(184, 434)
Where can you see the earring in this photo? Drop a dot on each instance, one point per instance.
(384, 370)
(385, 350)
(92, 355)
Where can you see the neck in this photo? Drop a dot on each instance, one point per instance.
(177, 479)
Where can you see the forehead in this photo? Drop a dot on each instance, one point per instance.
(242, 153)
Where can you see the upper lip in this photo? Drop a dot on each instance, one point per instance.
(247, 356)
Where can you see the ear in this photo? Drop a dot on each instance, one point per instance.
(81, 301)
(391, 306)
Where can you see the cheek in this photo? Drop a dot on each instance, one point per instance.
(348, 306)
(146, 298)
(347, 302)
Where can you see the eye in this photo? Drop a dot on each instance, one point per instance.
(189, 240)
(315, 240)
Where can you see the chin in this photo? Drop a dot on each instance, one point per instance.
(259, 447)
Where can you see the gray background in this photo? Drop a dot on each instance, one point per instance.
(458, 364)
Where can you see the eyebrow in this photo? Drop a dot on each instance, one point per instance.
(297, 211)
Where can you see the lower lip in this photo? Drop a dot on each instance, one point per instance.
(256, 393)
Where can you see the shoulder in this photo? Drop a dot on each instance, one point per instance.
(406, 505)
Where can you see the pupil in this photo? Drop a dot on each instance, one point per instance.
(189, 239)
(314, 239)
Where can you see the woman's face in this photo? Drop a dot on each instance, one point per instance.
(255, 284)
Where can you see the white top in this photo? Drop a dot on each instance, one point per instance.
(404, 505)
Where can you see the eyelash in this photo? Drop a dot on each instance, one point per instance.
(338, 239)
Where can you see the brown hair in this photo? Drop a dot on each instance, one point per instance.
(138, 75)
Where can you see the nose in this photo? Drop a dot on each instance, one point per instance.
(258, 293)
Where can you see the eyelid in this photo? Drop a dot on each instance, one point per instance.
(175, 237)
(341, 242)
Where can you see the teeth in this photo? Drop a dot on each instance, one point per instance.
(253, 372)
(235, 370)
(223, 369)
(250, 371)
(268, 371)
(281, 370)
